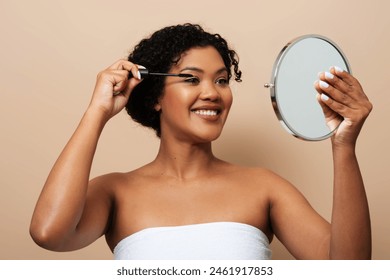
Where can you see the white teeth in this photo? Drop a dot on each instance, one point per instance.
(206, 112)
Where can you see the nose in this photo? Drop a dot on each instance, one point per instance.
(210, 92)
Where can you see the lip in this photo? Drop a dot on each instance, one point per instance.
(205, 116)
(206, 108)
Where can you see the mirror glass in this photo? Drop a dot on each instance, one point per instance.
(293, 94)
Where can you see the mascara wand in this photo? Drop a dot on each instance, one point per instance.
(143, 73)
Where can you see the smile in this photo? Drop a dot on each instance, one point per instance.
(206, 112)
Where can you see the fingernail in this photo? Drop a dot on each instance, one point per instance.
(324, 84)
(139, 75)
(338, 69)
(329, 75)
(324, 97)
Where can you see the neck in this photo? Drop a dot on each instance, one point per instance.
(183, 160)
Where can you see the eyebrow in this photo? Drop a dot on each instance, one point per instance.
(196, 69)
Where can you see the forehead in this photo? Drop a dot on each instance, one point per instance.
(201, 57)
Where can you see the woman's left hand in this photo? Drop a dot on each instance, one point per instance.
(343, 100)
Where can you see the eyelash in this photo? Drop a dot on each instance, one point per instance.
(195, 80)
(224, 81)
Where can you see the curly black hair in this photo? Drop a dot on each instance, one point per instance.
(159, 53)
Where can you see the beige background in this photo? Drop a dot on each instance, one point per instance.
(51, 52)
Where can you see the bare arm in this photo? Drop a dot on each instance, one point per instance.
(350, 226)
(62, 216)
(348, 236)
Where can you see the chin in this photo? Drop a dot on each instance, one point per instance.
(208, 136)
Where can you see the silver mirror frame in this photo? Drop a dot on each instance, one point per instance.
(273, 84)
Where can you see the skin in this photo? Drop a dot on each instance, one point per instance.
(187, 184)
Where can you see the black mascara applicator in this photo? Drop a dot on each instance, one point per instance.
(145, 73)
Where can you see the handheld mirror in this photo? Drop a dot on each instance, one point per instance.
(293, 94)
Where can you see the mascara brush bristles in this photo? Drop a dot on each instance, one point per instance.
(182, 75)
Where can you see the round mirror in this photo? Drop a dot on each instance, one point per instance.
(293, 94)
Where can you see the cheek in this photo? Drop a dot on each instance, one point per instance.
(176, 102)
(228, 100)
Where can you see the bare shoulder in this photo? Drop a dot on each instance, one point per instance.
(111, 181)
(108, 181)
(266, 183)
(279, 189)
(117, 184)
(259, 176)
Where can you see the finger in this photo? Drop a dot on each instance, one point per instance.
(123, 64)
(131, 68)
(335, 82)
(334, 93)
(351, 109)
(327, 111)
(126, 86)
(131, 84)
(347, 85)
(343, 75)
(329, 105)
(321, 96)
(332, 118)
(351, 84)
(119, 64)
(118, 79)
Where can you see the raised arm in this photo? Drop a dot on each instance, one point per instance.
(342, 96)
(301, 229)
(62, 219)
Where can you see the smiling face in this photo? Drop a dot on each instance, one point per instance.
(195, 109)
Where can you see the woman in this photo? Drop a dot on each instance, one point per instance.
(188, 204)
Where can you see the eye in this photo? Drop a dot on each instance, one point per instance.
(222, 81)
(192, 80)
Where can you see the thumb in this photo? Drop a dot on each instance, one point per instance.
(131, 84)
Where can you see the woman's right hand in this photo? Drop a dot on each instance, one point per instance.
(69, 214)
(109, 82)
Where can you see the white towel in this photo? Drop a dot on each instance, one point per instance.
(208, 241)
